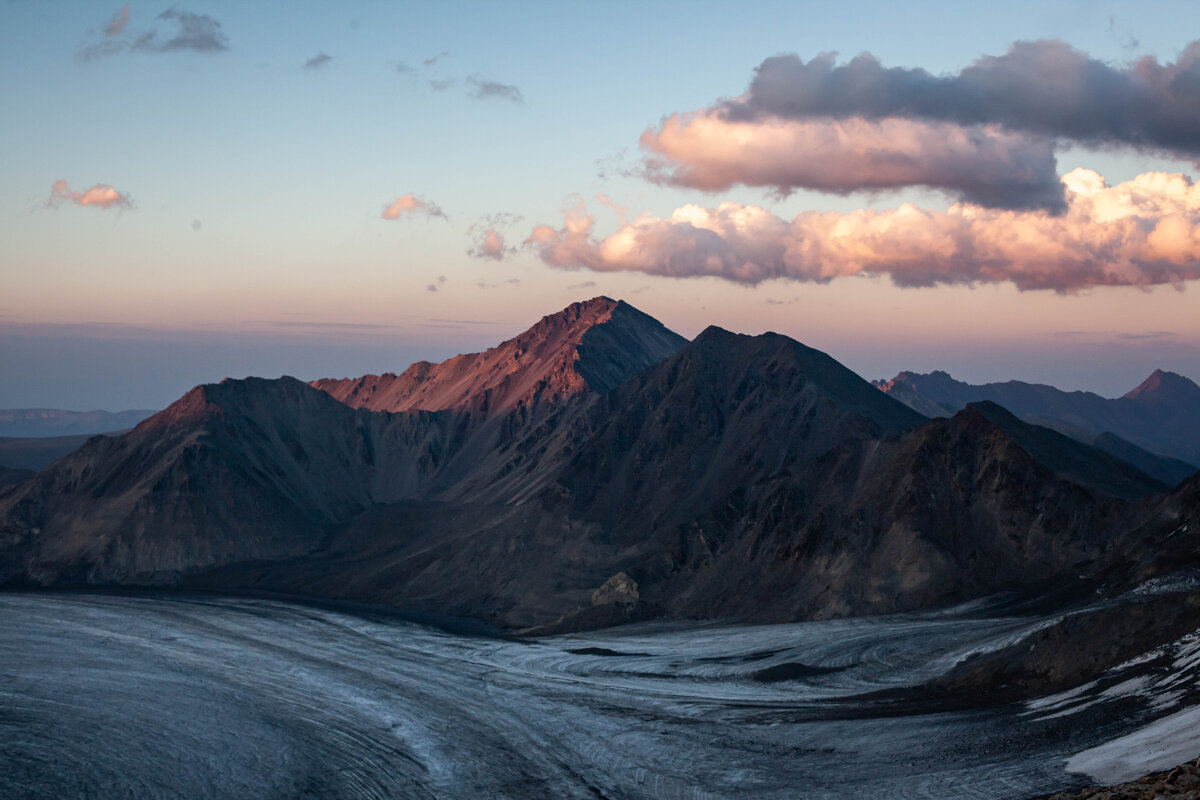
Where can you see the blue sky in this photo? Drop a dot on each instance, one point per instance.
(255, 244)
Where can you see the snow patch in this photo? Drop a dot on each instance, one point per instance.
(1160, 745)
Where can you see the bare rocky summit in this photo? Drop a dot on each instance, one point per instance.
(588, 347)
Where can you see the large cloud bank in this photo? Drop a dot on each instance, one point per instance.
(986, 135)
(1139, 233)
(1044, 87)
(982, 165)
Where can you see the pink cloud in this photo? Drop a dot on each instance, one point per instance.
(490, 238)
(101, 195)
(491, 245)
(117, 24)
(411, 204)
(1139, 233)
(983, 165)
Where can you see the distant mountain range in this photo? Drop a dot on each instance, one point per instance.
(598, 469)
(31, 439)
(1155, 426)
(38, 422)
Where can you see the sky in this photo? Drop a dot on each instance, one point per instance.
(212, 189)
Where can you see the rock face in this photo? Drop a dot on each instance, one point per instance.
(593, 470)
(589, 347)
(1158, 416)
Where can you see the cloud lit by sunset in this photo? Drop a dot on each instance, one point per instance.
(411, 204)
(1142, 232)
(101, 196)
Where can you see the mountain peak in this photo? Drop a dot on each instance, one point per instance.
(215, 400)
(1161, 384)
(589, 346)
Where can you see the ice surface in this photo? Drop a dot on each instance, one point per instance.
(1160, 745)
(175, 696)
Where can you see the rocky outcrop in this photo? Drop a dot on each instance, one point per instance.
(620, 588)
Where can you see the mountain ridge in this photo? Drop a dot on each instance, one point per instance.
(589, 346)
(1156, 416)
(745, 476)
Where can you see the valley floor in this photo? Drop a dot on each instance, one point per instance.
(113, 696)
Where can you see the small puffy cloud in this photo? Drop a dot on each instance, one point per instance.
(489, 236)
(429, 62)
(483, 89)
(99, 196)
(441, 84)
(199, 33)
(174, 31)
(509, 282)
(1141, 232)
(433, 287)
(318, 61)
(409, 205)
(983, 165)
(117, 24)
(109, 40)
(490, 245)
(585, 285)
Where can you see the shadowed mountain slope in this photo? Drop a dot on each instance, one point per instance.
(1168, 470)
(726, 410)
(1070, 459)
(229, 471)
(949, 510)
(748, 477)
